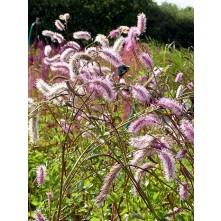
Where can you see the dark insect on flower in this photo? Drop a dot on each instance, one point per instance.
(122, 69)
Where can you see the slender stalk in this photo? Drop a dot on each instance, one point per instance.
(61, 182)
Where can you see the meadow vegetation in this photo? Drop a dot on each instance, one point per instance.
(110, 126)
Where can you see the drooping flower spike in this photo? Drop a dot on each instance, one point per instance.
(82, 35)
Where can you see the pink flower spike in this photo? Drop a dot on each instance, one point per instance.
(131, 39)
(82, 35)
(104, 88)
(172, 105)
(141, 23)
(141, 142)
(160, 143)
(111, 56)
(41, 174)
(141, 93)
(168, 164)
(187, 129)
(139, 175)
(48, 33)
(107, 184)
(183, 191)
(59, 25)
(181, 154)
(58, 37)
(114, 33)
(65, 56)
(146, 60)
(146, 120)
(39, 216)
(178, 77)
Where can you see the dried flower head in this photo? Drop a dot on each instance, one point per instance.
(41, 174)
(123, 29)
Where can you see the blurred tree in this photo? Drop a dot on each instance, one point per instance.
(165, 23)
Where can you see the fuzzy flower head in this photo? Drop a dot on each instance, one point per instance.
(141, 93)
(141, 142)
(181, 154)
(118, 44)
(42, 86)
(64, 17)
(50, 197)
(82, 35)
(107, 184)
(102, 39)
(183, 191)
(111, 56)
(146, 60)
(187, 129)
(59, 25)
(178, 77)
(104, 88)
(146, 120)
(130, 41)
(139, 175)
(141, 23)
(41, 174)
(168, 164)
(71, 44)
(172, 105)
(38, 216)
(157, 71)
(114, 33)
(47, 50)
(179, 91)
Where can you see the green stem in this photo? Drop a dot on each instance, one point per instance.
(30, 32)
